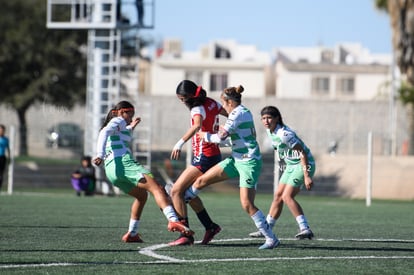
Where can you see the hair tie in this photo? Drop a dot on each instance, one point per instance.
(198, 91)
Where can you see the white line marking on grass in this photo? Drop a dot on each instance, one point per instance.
(162, 259)
(173, 260)
(150, 251)
(5, 266)
(365, 240)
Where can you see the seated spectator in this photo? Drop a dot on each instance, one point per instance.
(83, 179)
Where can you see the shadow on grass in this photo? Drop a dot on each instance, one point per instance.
(256, 244)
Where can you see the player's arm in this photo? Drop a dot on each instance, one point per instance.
(215, 138)
(101, 143)
(134, 123)
(197, 122)
(223, 112)
(304, 164)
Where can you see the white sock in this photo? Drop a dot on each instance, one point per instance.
(191, 193)
(133, 227)
(261, 224)
(302, 222)
(271, 221)
(170, 214)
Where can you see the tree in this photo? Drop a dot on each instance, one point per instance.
(401, 14)
(38, 65)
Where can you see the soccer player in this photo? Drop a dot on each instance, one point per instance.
(113, 148)
(204, 117)
(299, 170)
(245, 161)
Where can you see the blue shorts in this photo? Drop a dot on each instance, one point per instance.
(204, 163)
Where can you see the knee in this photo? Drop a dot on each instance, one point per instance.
(286, 198)
(175, 193)
(277, 198)
(198, 183)
(247, 206)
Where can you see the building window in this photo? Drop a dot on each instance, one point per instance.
(327, 56)
(221, 52)
(346, 86)
(195, 76)
(218, 82)
(320, 85)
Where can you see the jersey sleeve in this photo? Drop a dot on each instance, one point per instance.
(112, 126)
(198, 110)
(101, 143)
(289, 138)
(231, 123)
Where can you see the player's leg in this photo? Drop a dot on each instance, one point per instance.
(219, 172)
(2, 168)
(249, 172)
(211, 227)
(163, 201)
(289, 199)
(203, 164)
(185, 180)
(275, 210)
(247, 196)
(137, 207)
(293, 185)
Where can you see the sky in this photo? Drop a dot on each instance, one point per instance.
(269, 24)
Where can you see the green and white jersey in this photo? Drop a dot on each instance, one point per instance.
(114, 139)
(283, 140)
(240, 127)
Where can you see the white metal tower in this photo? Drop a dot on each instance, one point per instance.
(105, 23)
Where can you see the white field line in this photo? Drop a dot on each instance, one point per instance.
(162, 259)
(150, 251)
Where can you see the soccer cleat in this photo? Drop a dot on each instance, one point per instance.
(256, 234)
(182, 240)
(127, 238)
(270, 244)
(180, 227)
(304, 234)
(210, 233)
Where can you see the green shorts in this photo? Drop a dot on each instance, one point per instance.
(124, 172)
(248, 171)
(293, 174)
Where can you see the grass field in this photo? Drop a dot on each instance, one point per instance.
(59, 233)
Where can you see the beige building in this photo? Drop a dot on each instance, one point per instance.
(344, 72)
(215, 66)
